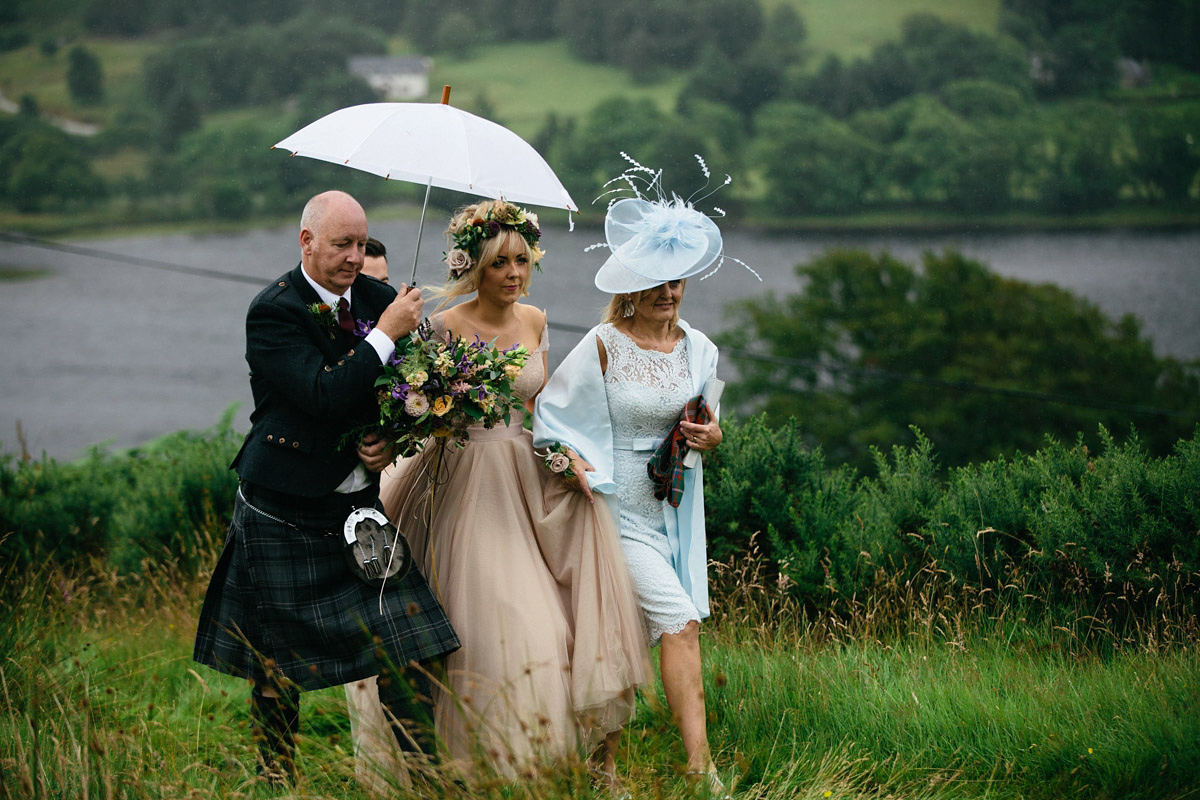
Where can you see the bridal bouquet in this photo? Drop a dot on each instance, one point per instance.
(431, 387)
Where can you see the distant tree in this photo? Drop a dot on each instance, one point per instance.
(810, 161)
(930, 54)
(713, 79)
(85, 76)
(1167, 144)
(13, 40)
(941, 52)
(784, 34)
(735, 26)
(1075, 43)
(982, 99)
(724, 129)
(1163, 30)
(582, 23)
(457, 36)
(593, 153)
(1081, 157)
(181, 115)
(28, 106)
(871, 345)
(259, 63)
(521, 20)
(935, 156)
(44, 167)
(120, 17)
(329, 93)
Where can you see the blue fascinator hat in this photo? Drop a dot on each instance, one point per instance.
(655, 239)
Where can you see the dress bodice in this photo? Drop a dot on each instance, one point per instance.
(532, 376)
(646, 388)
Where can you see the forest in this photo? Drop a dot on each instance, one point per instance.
(1056, 110)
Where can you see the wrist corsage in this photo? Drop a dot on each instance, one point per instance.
(557, 459)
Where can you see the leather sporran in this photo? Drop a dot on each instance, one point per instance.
(375, 549)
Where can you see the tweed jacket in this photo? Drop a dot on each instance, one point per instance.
(312, 384)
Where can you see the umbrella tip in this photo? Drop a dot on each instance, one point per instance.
(446, 94)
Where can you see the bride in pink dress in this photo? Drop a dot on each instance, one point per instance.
(527, 564)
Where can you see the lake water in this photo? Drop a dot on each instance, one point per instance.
(101, 351)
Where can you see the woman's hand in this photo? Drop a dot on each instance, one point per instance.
(579, 467)
(702, 437)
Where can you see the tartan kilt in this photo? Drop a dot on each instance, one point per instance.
(284, 603)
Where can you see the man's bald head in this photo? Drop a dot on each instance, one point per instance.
(333, 235)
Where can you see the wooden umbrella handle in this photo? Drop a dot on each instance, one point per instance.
(446, 94)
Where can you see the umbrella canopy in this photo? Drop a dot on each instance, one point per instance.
(434, 144)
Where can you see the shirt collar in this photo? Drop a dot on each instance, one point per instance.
(323, 293)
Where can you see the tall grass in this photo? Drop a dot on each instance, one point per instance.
(918, 695)
(970, 664)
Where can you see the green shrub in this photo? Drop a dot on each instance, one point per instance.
(161, 501)
(1111, 536)
(59, 511)
(184, 498)
(767, 481)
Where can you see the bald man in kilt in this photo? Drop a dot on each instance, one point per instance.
(284, 608)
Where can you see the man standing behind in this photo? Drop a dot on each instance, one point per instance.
(375, 263)
(284, 607)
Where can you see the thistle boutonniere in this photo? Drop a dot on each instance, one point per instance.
(557, 458)
(326, 317)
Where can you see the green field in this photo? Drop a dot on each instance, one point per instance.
(548, 80)
(850, 28)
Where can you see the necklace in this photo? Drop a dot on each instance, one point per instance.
(665, 345)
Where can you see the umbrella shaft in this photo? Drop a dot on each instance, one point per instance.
(420, 228)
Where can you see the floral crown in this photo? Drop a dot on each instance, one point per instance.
(468, 240)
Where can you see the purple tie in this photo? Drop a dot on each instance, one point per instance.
(345, 321)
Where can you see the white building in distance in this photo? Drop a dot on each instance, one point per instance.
(398, 78)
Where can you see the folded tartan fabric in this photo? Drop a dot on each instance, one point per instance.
(666, 465)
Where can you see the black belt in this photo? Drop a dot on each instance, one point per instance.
(332, 503)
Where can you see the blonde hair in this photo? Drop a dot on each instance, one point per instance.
(468, 282)
(620, 303)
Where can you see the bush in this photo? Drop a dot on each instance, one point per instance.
(161, 502)
(766, 481)
(1110, 536)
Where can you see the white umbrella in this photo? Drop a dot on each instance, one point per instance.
(434, 144)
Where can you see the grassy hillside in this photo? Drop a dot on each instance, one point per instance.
(548, 80)
(850, 28)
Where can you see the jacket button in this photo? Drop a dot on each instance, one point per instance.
(341, 362)
(328, 368)
(350, 353)
(295, 444)
(282, 440)
(282, 283)
(270, 437)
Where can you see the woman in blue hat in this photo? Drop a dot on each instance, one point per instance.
(653, 371)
